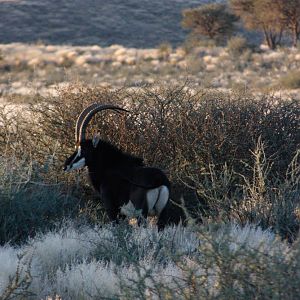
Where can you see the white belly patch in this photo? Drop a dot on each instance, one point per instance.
(157, 199)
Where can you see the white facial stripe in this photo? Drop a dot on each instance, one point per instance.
(77, 165)
(78, 154)
(68, 169)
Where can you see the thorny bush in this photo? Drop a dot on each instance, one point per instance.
(191, 134)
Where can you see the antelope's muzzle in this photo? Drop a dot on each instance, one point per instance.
(74, 162)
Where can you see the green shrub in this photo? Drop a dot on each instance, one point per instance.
(213, 21)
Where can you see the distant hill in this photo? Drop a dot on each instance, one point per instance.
(132, 23)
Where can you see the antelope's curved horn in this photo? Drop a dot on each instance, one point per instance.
(91, 113)
(81, 118)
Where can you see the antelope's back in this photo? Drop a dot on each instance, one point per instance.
(150, 177)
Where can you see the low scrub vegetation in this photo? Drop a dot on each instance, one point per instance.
(232, 158)
(26, 69)
(126, 262)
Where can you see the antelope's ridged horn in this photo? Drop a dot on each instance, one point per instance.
(81, 118)
(91, 113)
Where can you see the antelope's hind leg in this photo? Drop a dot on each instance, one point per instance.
(157, 199)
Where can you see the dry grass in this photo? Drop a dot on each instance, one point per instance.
(27, 69)
(128, 262)
(209, 143)
(234, 157)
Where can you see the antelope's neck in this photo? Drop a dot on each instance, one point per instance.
(96, 177)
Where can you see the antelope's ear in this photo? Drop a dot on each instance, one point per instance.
(96, 140)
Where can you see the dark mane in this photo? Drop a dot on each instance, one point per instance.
(108, 162)
(115, 156)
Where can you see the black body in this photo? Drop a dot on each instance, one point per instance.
(120, 177)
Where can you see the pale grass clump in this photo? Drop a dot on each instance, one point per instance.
(9, 262)
(87, 280)
(57, 249)
(92, 279)
(15, 276)
(70, 263)
(255, 238)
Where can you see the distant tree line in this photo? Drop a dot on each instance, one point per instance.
(274, 18)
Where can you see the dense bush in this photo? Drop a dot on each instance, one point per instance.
(166, 126)
(234, 158)
(231, 155)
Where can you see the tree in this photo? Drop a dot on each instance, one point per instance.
(290, 14)
(211, 20)
(261, 15)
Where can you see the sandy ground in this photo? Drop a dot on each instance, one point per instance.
(30, 69)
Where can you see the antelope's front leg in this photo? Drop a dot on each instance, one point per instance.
(110, 203)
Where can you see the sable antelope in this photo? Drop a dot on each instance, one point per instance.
(120, 178)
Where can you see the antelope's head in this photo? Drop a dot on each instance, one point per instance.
(84, 148)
